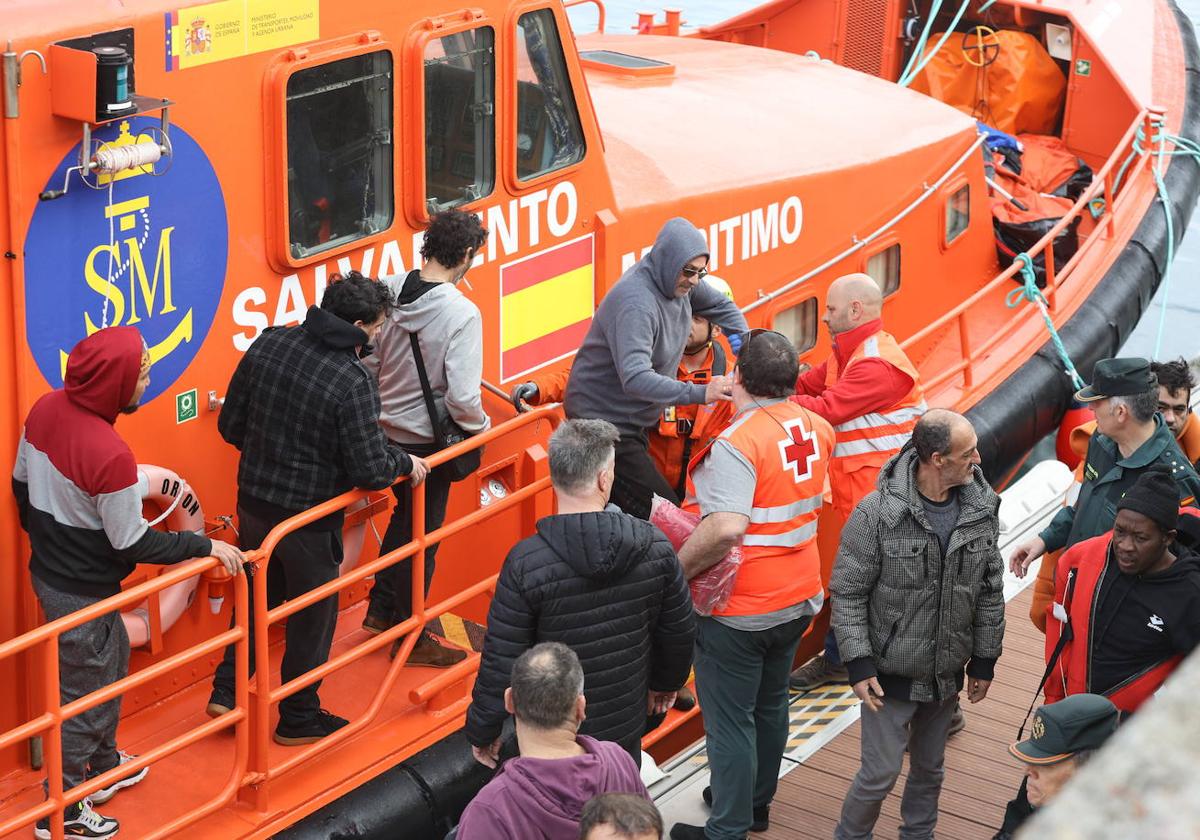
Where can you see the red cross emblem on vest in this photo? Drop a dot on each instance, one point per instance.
(799, 450)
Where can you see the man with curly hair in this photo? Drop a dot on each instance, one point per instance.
(448, 330)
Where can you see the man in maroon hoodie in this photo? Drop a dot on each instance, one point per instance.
(540, 795)
(76, 486)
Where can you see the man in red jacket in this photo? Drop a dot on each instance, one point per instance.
(76, 485)
(870, 392)
(1126, 607)
(1127, 604)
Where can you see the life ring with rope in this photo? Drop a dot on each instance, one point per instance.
(179, 510)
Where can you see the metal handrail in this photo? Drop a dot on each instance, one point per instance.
(859, 244)
(1102, 184)
(50, 721)
(600, 13)
(261, 766)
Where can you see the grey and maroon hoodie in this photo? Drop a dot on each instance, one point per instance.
(76, 481)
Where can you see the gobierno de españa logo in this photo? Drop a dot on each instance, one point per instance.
(169, 246)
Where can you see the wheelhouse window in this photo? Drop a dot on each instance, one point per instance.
(884, 268)
(958, 213)
(460, 118)
(799, 323)
(549, 134)
(339, 152)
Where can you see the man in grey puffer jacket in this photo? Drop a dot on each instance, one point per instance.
(918, 594)
(625, 370)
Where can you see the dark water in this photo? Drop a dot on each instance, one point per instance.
(1181, 326)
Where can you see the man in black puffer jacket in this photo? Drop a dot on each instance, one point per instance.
(602, 582)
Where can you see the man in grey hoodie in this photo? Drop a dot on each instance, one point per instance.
(449, 331)
(625, 370)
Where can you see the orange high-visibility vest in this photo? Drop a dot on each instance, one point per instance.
(789, 447)
(870, 439)
(685, 429)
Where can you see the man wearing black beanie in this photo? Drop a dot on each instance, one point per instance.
(1126, 606)
(1127, 602)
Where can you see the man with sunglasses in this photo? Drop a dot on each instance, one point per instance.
(625, 369)
(871, 393)
(760, 483)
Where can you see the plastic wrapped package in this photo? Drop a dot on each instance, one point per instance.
(711, 588)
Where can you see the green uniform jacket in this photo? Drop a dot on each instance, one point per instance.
(1106, 477)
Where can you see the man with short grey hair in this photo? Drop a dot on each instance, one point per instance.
(541, 795)
(600, 581)
(1130, 437)
(918, 597)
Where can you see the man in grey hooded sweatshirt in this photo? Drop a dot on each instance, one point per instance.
(625, 369)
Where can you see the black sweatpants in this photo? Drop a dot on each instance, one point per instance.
(638, 479)
(302, 561)
(391, 596)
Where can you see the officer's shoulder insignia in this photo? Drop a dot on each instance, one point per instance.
(1089, 472)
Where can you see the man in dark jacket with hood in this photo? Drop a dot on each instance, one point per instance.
(918, 593)
(601, 582)
(76, 485)
(304, 413)
(625, 369)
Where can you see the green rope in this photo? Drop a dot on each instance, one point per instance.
(907, 78)
(1157, 147)
(919, 48)
(1165, 199)
(1029, 291)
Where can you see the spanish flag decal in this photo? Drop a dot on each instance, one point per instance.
(546, 305)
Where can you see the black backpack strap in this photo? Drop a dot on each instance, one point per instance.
(438, 437)
(1065, 635)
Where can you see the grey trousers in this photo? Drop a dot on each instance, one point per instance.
(90, 657)
(924, 727)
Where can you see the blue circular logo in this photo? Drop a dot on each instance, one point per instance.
(154, 258)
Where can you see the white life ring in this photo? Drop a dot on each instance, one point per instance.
(181, 511)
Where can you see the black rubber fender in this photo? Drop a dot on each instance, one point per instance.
(1031, 403)
(418, 799)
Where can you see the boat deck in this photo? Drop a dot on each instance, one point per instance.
(822, 753)
(980, 775)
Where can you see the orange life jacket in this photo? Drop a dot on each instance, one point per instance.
(788, 447)
(870, 439)
(1080, 577)
(684, 429)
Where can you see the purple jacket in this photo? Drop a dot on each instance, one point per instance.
(541, 798)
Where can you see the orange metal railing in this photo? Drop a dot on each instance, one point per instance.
(533, 479)
(49, 722)
(1116, 206)
(252, 764)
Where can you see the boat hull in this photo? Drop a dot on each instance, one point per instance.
(427, 792)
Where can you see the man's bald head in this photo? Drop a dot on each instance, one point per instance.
(853, 299)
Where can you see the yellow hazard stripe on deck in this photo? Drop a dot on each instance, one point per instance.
(455, 630)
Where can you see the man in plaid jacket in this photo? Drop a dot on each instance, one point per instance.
(918, 595)
(304, 413)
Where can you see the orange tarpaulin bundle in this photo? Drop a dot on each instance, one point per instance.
(1049, 166)
(1020, 90)
(1019, 228)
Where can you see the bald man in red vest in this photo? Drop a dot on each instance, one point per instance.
(870, 392)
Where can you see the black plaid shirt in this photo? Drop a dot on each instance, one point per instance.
(305, 414)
